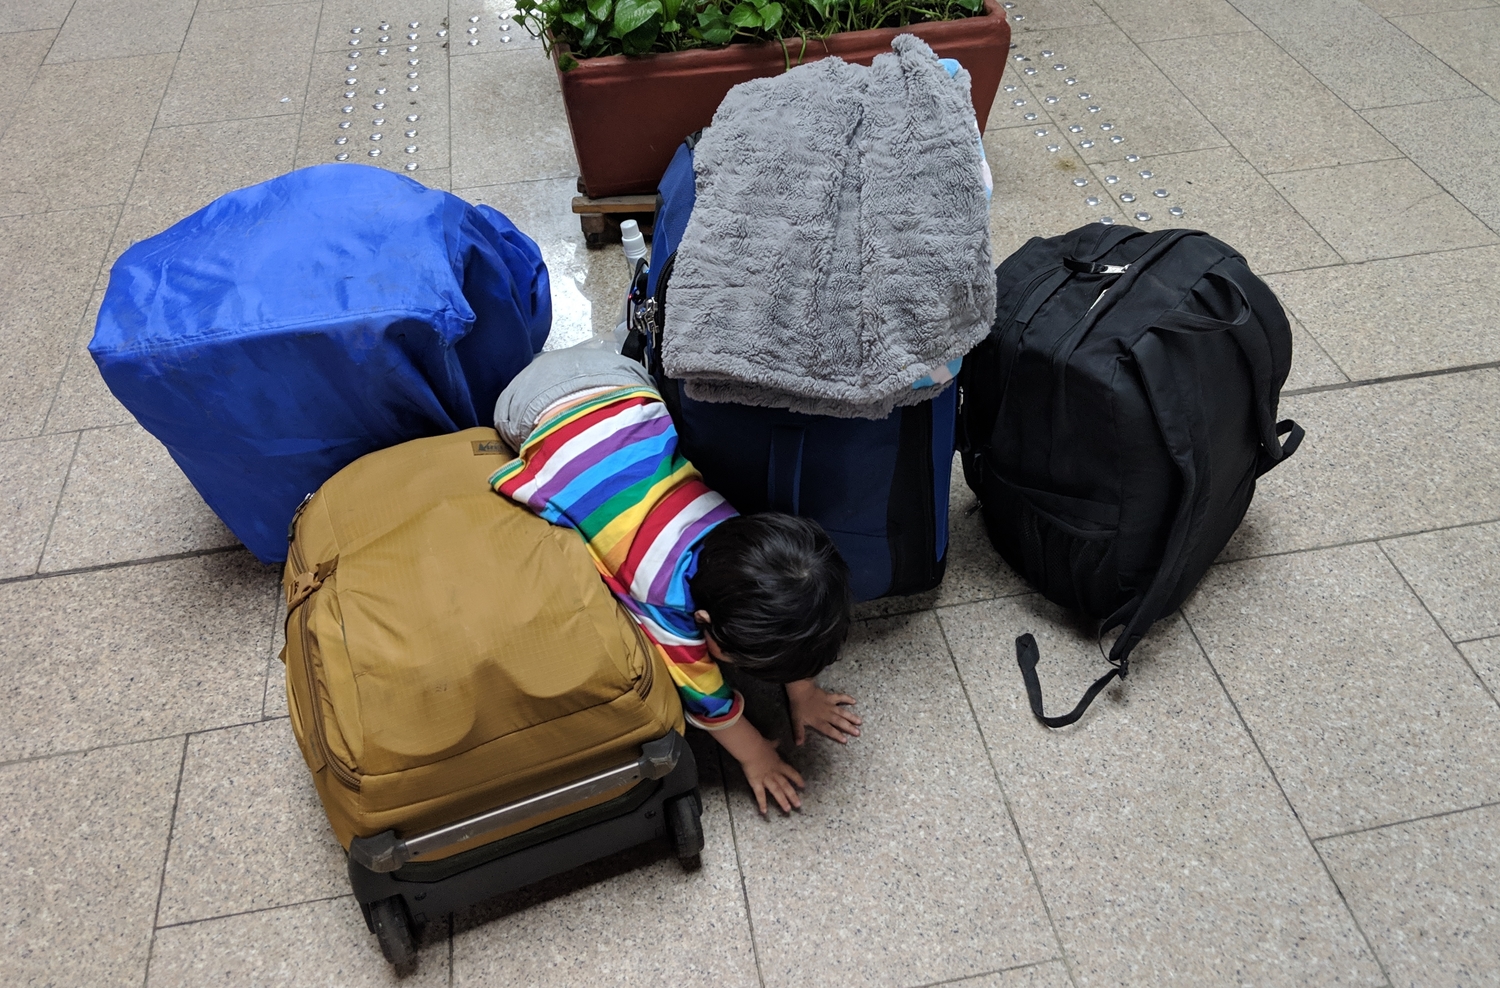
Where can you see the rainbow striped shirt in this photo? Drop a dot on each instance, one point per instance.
(609, 467)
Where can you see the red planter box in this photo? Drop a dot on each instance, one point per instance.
(629, 113)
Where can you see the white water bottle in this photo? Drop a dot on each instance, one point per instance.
(635, 251)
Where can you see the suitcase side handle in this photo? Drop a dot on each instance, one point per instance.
(386, 852)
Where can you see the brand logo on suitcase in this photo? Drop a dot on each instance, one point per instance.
(491, 447)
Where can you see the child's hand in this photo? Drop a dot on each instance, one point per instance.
(763, 767)
(827, 713)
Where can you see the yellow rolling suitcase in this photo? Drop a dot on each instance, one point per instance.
(477, 711)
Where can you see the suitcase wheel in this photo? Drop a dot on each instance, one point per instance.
(686, 827)
(392, 925)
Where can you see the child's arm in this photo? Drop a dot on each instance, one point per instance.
(762, 764)
(825, 712)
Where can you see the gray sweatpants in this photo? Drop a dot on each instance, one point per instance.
(551, 377)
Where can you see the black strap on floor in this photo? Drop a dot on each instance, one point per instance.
(1027, 656)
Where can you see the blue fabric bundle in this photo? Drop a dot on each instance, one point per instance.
(287, 329)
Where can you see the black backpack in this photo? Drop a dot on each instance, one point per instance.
(1115, 420)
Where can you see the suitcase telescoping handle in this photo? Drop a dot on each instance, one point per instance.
(386, 852)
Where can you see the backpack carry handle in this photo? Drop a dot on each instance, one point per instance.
(1027, 656)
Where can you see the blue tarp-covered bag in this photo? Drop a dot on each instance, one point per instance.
(287, 329)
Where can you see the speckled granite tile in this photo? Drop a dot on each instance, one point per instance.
(31, 480)
(1398, 210)
(1164, 848)
(902, 867)
(1341, 42)
(249, 29)
(131, 653)
(1311, 365)
(1034, 191)
(1380, 460)
(621, 921)
(1029, 18)
(1052, 974)
(50, 263)
(126, 499)
(1456, 572)
(1222, 195)
(1365, 711)
(83, 400)
(339, 16)
(97, 29)
(1454, 142)
(35, 16)
(1292, 121)
(211, 85)
(1393, 8)
(275, 703)
(1148, 111)
(489, 33)
(495, 147)
(588, 286)
(20, 56)
(1376, 319)
(1428, 895)
(76, 138)
(327, 98)
(1464, 39)
(249, 832)
(81, 844)
(1484, 658)
(185, 168)
(1004, 113)
(1160, 20)
(313, 944)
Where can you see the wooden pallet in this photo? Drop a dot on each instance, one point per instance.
(601, 218)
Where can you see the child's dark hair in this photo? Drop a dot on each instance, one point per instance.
(777, 592)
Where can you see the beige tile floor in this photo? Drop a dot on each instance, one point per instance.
(1299, 785)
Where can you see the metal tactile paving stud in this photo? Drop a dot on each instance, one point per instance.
(341, 140)
(412, 117)
(1080, 182)
(1145, 173)
(1111, 179)
(411, 133)
(1040, 132)
(1020, 58)
(1010, 88)
(443, 33)
(1106, 126)
(344, 125)
(1091, 201)
(384, 38)
(1009, 6)
(1107, 220)
(412, 36)
(353, 41)
(1160, 193)
(1017, 102)
(1029, 70)
(1029, 116)
(378, 122)
(354, 54)
(1085, 144)
(350, 81)
(413, 61)
(378, 106)
(355, 30)
(1060, 67)
(1143, 217)
(348, 109)
(375, 137)
(1085, 95)
(1051, 99)
(411, 149)
(1018, 17)
(414, 25)
(374, 152)
(380, 92)
(1075, 128)
(474, 19)
(1127, 197)
(349, 94)
(1070, 81)
(382, 51)
(1132, 158)
(473, 42)
(385, 27)
(411, 75)
(1116, 139)
(472, 30)
(411, 166)
(413, 88)
(1054, 147)
(341, 156)
(1048, 53)
(1095, 109)
(351, 66)
(1176, 210)
(411, 47)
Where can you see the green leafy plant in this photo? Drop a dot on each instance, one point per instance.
(590, 28)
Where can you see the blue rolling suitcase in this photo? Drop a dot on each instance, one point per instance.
(287, 329)
(879, 487)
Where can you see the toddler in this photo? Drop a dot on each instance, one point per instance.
(766, 593)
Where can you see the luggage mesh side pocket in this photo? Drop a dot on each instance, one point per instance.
(1072, 564)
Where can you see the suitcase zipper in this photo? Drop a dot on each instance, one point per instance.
(648, 678)
(319, 737)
